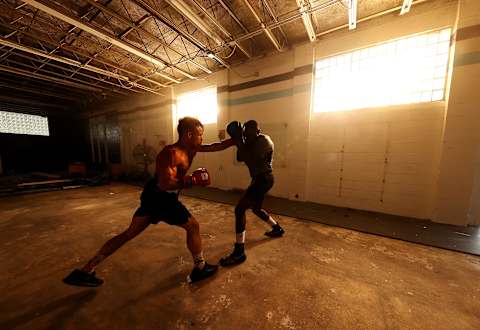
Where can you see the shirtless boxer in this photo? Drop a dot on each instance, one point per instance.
(159, 202)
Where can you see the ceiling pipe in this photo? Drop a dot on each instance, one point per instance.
(29, 74)
(61, 59)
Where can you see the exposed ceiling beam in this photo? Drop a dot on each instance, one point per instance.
(22, 100)
(267, 31)
(61, 59)
(406, 6)
(26, 73)
(38, 91)
(65, 75)
(145, 5)
(232, 15)
(77, 64)
(77, 52)
(70, 19)
(71, 32)
(370, 17)
(316, 8)
(304, 7)
(134, 26)
(182, 8)
(274, 17)
(62, 44)
(288, 20)
(221, 28)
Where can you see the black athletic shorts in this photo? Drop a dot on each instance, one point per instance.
(259, 186)
(161, 205)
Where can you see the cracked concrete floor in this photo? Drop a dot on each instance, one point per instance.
(316, 277)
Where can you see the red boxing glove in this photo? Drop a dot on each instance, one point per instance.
(199, 177)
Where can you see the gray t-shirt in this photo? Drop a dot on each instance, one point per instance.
(258, 155)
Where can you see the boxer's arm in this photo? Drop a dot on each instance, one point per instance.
(218, 146)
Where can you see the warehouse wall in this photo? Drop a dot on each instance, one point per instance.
(458, 198)
(383, 159)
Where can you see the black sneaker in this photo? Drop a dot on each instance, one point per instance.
(276, 231)
(198, 274)
(236, 257)
(82, 278)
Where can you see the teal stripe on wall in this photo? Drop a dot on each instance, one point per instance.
(467, 59)
(268, 96)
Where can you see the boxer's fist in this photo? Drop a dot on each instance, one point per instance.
(199, 177)
(235, 130)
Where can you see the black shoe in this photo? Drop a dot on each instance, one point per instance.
(82, 278)
(276, 231)
(198, 274)
(236, 257)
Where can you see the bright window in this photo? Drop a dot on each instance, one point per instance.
(201, 104)
(20, 123)
(408, 70)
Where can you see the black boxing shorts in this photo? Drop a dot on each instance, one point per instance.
(161, 205)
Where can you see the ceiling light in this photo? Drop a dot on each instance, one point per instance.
(406, 6)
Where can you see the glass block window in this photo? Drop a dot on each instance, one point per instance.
(201, 104)
(403, 71)
(20, 123)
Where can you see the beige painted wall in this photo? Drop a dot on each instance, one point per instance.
(458, 194)
(391, 159)
(381, 159)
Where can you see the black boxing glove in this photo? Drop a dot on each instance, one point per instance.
(235, 130)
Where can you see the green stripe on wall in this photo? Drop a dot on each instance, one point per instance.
(467, 59)
(268, 96)
(306, 69)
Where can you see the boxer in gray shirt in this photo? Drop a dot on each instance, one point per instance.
(256, 150)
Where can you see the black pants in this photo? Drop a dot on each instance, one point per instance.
(259, 187)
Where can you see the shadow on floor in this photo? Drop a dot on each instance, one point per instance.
(450, 237)
(67, 306)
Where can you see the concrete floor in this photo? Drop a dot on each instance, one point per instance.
(316, 277)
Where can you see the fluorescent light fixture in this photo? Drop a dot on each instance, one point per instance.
(307, 21)
(352, 14)
(20, 123)
(406, 6)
